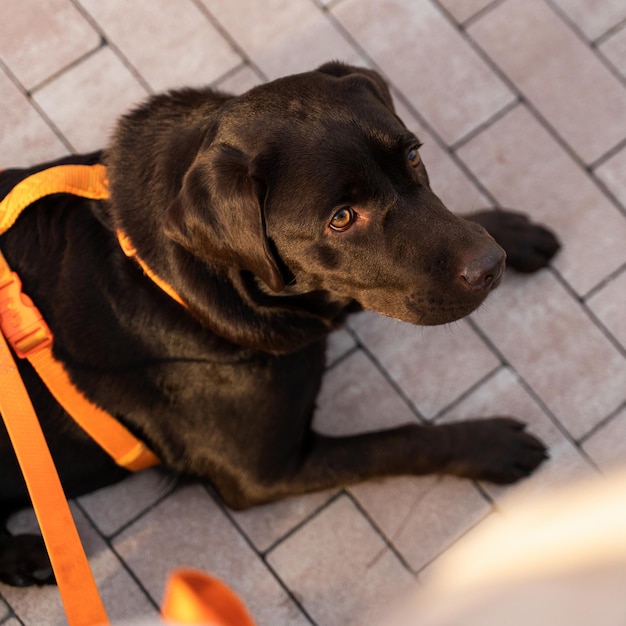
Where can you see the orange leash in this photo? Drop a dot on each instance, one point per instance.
(192, 597)
(79, 594)
(30, 337)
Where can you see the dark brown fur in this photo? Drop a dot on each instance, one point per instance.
(232, 201)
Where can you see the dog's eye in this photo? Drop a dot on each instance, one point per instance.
(414, 156)
(343, 219)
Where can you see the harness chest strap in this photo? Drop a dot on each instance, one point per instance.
(29, 335)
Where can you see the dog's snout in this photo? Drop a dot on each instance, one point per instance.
(484, 272)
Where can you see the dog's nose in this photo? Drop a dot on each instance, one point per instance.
(484, 272)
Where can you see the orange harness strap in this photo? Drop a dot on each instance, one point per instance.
(192, 597)
(30, 337)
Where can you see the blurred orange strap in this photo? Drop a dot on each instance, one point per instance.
(192, 597)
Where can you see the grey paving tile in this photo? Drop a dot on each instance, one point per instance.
(265, 525)
(38, 39)
(592, 21)
(504, 395)
(614, 49)
(611, 172)
(41, 606)
(86, 118)
(525, 169)
(355, 397)
(339, 343)
(462, 10)
(336, 563)
(607, 446)
(4, 610)
(115, 506)
(447, 179)
(351, 577)
(282, 36)
(557, 349)
(423, 360)
(549, 63)
(171, 44)
(422, 516)
(446, 63)
(25, 138)
(240, 81)
(609, 304)
(189, 530)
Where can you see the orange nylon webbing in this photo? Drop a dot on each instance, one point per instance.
(192, 597)
(77, 587)
(88, 181)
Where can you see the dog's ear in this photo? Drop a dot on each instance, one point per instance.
(218, 214)
(374, 80)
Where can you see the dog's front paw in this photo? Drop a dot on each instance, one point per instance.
(498, 450)
(528, 246)
(24, 561)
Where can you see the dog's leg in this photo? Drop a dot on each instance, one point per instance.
(497, 450)
(24, 561)
(528, 246)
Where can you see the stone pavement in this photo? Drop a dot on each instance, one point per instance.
(519, 103)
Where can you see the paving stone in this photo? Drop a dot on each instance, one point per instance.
(282, 36)
(587, 17)
(447, 180)
(25, 138)
(171, 44)
(422, 360)
(462, 10)
(112, 507)
(611, 172)
(609, 304)
(614, 49)
(88, 121)
(504, 395)
(525, 169)
(189, 530)
(422, 516)
(579, 374)
(547, 62)
(607, 446)
(446, 64)
(561, 332)
(351, 576)
(355, 397)
(240, 81)
(265, 525)
(39, 39)
(339, 343)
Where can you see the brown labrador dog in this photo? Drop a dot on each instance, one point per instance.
(273, 215)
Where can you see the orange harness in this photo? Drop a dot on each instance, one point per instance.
(24, 328)
(192, 596)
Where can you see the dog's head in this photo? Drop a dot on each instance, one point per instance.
(313, 184)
